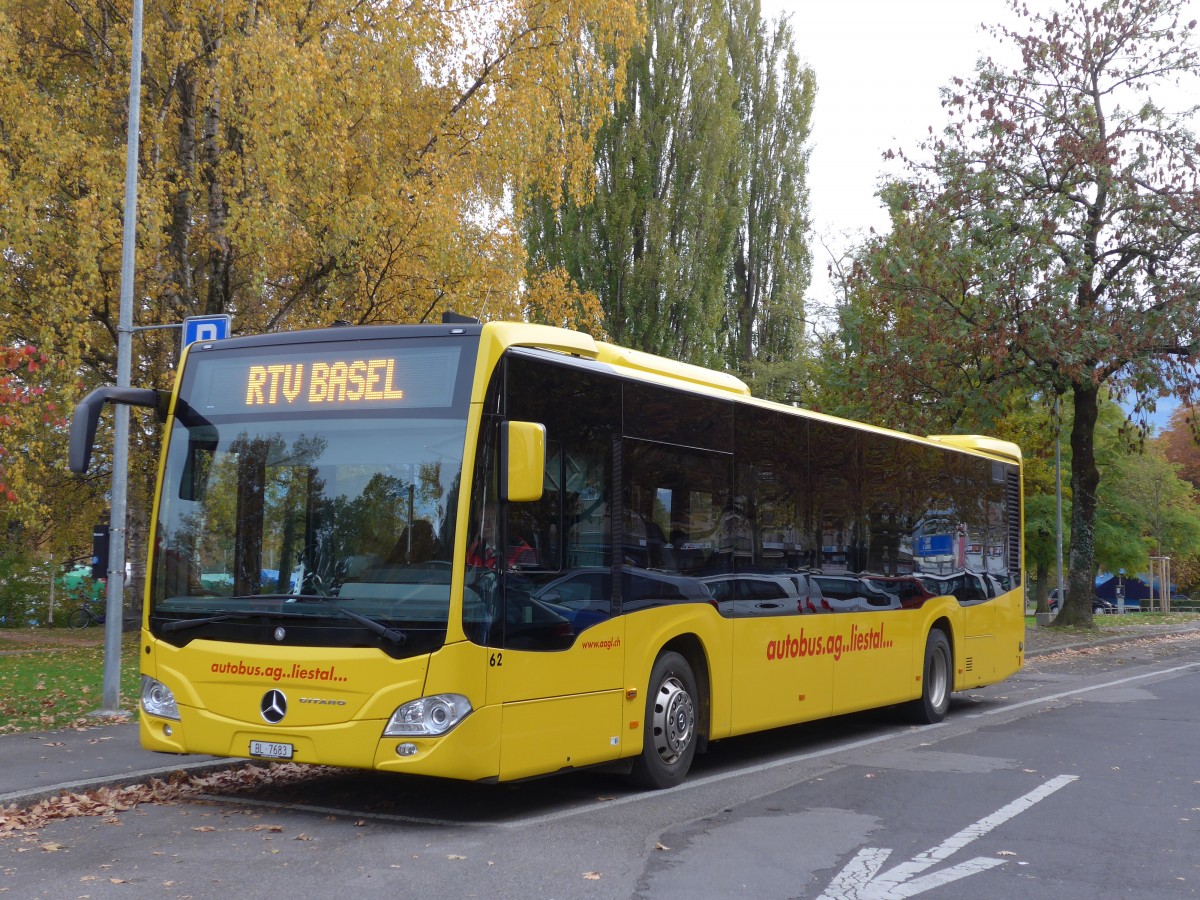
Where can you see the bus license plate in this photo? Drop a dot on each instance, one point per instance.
(271, 750)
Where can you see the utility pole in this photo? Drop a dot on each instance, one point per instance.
(1058, 528)
(115, 595)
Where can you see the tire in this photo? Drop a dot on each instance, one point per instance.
(669, 729)
(79, 618)
(937, 681)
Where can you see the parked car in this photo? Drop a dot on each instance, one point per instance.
(747, 594)
(1100, 606)
(907, 588)
(845, 593)
(966, 586)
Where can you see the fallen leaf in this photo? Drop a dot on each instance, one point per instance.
(204, 828)
(51, 846)
(455, 856)
(592, 876)
(661, 846)
(265, 827)
(1006, 853)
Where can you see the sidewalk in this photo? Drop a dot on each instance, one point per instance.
(37, 765)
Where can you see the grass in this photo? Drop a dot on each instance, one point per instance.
(54, 678)
(1132, 620)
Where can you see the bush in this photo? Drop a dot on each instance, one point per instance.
(24, 592)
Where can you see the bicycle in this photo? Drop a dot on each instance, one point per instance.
(92, 612)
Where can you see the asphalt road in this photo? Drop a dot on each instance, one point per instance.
(1075, 779)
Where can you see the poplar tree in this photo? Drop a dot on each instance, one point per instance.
(694, 240)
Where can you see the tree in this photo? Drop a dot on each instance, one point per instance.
(301, 161)
(772, 266)
(652, 243)
(694, 239)
(16, 391)
(1050, 239)
(1179, 444)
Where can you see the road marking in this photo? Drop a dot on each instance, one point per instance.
(691, 783)
(1083, 690)
(860, 879)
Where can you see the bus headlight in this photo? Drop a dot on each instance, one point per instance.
(429, 716)
(158, 700)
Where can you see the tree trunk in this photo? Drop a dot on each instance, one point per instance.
(1041, 589)
(1085, 478)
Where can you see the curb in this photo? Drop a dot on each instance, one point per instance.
(27, 798)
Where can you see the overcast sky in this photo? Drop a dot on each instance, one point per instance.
(880, 65)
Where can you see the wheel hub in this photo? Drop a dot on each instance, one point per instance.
(674, 720)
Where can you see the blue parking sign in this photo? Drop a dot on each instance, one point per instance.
(206, 328)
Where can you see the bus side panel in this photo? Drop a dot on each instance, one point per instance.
(994, 644)
(647, 632)
(781, 674)
(872, 655)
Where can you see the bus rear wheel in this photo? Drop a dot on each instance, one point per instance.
(937, 677)
(669, 727)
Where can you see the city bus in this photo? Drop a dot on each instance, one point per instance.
(498, 551)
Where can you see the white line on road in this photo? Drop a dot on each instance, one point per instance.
(1095, 687)
(859, 879)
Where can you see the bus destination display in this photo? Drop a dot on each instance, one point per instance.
(337, 377)
(324, 382)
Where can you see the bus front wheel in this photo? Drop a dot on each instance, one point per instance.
(937, 679)
(669, 727)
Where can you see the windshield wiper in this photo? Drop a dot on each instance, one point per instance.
(181, 624)
(388, 634)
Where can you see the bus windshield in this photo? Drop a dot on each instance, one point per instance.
(336, 519)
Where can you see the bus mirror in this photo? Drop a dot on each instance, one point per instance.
(87, 417)
(522, 461)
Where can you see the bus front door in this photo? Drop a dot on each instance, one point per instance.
(559, 682)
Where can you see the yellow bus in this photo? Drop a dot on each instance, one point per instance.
(496, 551)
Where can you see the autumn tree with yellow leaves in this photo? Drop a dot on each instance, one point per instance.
(301, 161)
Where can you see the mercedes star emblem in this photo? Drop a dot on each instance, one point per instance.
(273, 707)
